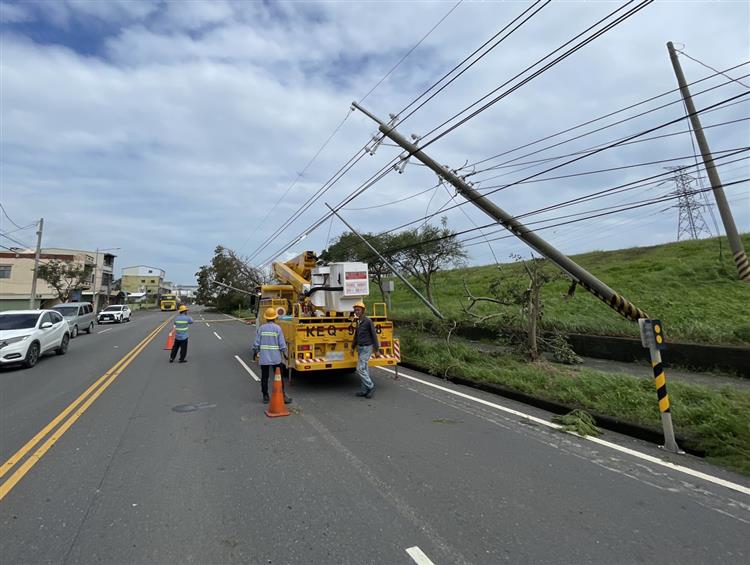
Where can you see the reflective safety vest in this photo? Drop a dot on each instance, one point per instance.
(181, 324)
(270, 343)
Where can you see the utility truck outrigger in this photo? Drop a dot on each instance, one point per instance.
(314, 304)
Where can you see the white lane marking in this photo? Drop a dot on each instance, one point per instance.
(248, 369)
(208, 325)
(107, 330)
(598, 441)
(217, 335)
(418, 556)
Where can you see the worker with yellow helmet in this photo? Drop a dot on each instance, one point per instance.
(270, 345)
(364, 343)
(181, 334)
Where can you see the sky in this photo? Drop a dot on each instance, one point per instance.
(165, 129)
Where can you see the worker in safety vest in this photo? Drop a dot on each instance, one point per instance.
(181, 334)
(270, 344)
(365, 342)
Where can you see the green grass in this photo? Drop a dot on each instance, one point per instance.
(697, 297)
(714, 421)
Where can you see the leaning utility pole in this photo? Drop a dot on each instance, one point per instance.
(735, 243)
(573, 269)
(391, 267)
(32, 298)
(576, 272)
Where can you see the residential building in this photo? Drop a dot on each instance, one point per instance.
(17, 272)
(142, 278)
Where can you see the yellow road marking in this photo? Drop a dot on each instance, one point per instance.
(107, 379)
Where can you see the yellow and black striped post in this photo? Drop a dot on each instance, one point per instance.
(652, 336)
(660, 380)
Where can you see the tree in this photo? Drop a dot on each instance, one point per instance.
(522, 288)
(65, 276)
(422, 252)
(349, 247)
(228, 268)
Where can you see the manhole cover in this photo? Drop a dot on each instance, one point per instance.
(193, 407)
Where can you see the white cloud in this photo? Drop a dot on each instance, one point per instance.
(194, 118)
(14, 13)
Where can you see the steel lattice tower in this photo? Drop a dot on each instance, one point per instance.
(690, 219)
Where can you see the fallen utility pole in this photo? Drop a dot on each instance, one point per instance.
(392, 268)
(212, 281)
(735, 243)
(37, 255)
(588, 281)
(576, 272)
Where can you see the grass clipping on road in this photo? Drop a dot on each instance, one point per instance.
(713, 421)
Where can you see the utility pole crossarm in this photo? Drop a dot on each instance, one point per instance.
(575, 271)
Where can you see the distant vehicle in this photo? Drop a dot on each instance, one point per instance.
(118, 314)
(167, 302)
(79, 315)
(26, 335)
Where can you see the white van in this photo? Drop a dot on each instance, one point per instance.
(79, 315)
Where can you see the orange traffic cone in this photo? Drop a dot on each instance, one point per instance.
(277, 407)
(170, 340)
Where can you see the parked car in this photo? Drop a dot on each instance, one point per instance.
(79, 315)
(118, 314)
(26, 335)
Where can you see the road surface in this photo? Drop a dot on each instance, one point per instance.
(113, 455)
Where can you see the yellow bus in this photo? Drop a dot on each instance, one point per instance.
(167, 302)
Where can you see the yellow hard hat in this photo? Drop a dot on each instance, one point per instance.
(270, 314)
(183, 308)
(360, 304)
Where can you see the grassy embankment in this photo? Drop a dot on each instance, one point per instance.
(714, 421)
(697, 297)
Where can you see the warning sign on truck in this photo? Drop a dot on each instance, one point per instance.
(356, 283)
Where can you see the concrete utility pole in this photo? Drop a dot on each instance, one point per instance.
(735, 243)
(32, 298)
(578, 273)
(575, 271)
(395, 272)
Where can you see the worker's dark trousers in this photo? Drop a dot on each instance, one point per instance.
(267, 371)
(181, 346)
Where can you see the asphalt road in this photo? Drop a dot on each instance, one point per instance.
(177, 463)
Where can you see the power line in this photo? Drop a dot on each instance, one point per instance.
(498, 42)
(605, 116)
(5, 213)
(411, 50)
(710, 67)
(597, 34)
(323, 190)
(594, 152)
(507, 163)
(538, 72)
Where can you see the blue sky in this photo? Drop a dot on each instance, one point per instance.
(166, 128)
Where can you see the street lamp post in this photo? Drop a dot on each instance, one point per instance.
(96, 266)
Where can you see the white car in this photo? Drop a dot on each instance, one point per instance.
(118, 314)
(26, 335)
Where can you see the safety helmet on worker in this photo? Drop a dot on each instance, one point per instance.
(270, 314)
(183, 308)
(360, 304)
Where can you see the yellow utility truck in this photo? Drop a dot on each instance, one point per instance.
(314, 304)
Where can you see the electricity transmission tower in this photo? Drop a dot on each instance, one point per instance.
(690, 221)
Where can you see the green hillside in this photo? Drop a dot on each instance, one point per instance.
(697, 296)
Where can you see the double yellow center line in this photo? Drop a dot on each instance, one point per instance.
(67, 417)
